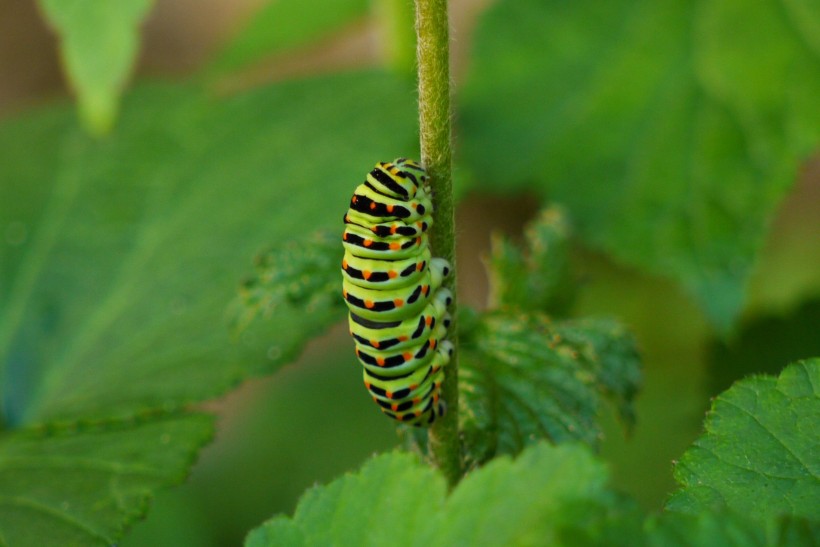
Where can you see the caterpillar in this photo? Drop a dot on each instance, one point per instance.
(393, 289)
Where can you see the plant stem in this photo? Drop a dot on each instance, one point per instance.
(433, 52)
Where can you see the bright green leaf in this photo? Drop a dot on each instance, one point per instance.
(283, 24)
(83, 486)
(544, 496)
(670, 130)
(758, 456)
(387, 502)
(113, 298)
(99, 42)
(524, 378)
(536, 499)
(539, 278)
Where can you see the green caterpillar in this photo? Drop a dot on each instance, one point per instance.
(392, 287)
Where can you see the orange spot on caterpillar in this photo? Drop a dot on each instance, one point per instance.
(428, 320)
(344, 264)
(407, 356)
(416, 400)
(374, 343)
(344, 293)
(388, 394)
(398, 302)
(372, 205)
(367, 384)
(425, 289)
(395, 246)
(390, 208)
(413, 386)
(391, 274)
(394, 228)
(418, 241)
(419, 266)
(368, 242)
(432, 343)
(394, 407)
(366, 274)
(344, 235)
(368, 304)
(380, 361)
(402, 339)
(354, 199)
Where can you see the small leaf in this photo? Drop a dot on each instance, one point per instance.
(283, 24)
(99, 41)
(301, 273)
(524, 378)
(538, 278)
(83, 486)
(389, 500)
(758, 456)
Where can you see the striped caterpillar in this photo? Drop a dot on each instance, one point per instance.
(392, 287)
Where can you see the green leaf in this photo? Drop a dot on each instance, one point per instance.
(670, 130)
(390, 499)
(82, 486)
(113, 300)
(301, 273)
(99, 41)
(758, 456)
(538, 278)
(524, 378)
(534, 500)
(284, 24)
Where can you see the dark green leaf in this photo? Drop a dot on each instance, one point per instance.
(284, 24)
(301, 273)
(538, 278)
(99, 42)
(113, 300)
(670, 132)
(758, 456)
(524, 378)
(81, 486)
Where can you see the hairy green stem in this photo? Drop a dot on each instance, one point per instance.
(433, 54)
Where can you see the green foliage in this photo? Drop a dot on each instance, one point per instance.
(396, 499)
(547, 496)
(670, 130)
(758, 456)
(539, 278)
(80, 486)
(99, 42)
(121, 254)
(301, 273)
(525, 378)
(283, 24)
(372, 507)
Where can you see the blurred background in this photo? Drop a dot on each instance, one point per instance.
(275, 438)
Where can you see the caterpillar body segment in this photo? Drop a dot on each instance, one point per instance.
(393, 288)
